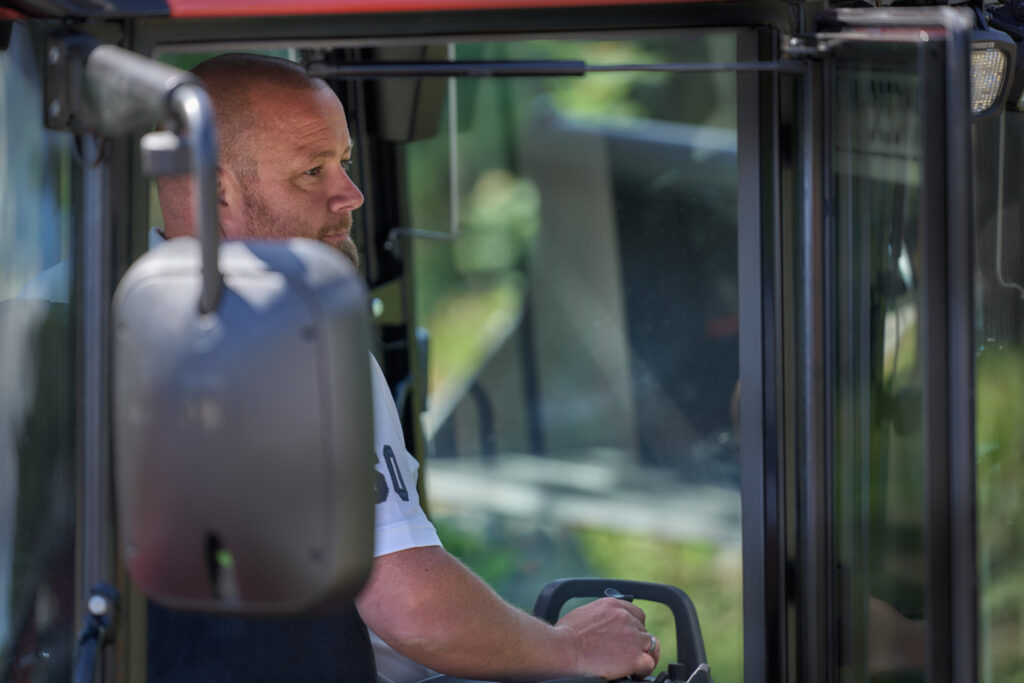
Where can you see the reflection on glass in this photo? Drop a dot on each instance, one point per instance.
(999, 429)
(583, 369)
(880, 465)
(37, 393)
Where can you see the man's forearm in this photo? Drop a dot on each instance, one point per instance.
(429, 607)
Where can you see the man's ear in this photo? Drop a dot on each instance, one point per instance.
(230, 206)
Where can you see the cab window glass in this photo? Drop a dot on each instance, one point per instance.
(879, 472)
(999, 368)
(581, 413)
(37, 378)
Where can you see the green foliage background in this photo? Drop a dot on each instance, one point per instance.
(1000, 501)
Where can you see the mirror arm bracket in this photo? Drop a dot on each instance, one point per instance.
(98, 88)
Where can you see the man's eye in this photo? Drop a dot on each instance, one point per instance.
(315, 171)
(346, 165)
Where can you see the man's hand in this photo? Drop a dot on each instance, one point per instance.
(611, 639)
(895, 643)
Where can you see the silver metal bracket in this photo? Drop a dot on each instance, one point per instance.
(65, 104)
(806, 46)
(163, 152)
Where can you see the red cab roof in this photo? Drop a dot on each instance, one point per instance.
(263, 8)
(250, 8)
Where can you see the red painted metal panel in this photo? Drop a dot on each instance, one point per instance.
(255, 8)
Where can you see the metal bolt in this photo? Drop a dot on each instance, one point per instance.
(54, 55)
(98, 605)
(55, 108)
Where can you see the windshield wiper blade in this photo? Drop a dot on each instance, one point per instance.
(370, 70)
(445, 69)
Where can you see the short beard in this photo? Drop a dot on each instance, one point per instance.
(349, 249)
(346, 246)
(261, 222)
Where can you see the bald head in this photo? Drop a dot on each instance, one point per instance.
(236, 83)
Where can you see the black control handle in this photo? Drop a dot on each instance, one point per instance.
(689, 641)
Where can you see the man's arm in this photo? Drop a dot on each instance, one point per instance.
(429, 607)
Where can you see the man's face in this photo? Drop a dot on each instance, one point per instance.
(302, 188)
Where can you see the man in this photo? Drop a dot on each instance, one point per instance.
(284, 151)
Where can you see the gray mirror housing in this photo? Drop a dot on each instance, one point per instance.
(243, 439)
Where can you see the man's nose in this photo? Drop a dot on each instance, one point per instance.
(346, 196)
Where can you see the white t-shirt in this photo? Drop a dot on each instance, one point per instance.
(400, 521)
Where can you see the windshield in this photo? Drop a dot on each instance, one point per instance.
(579, 294)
